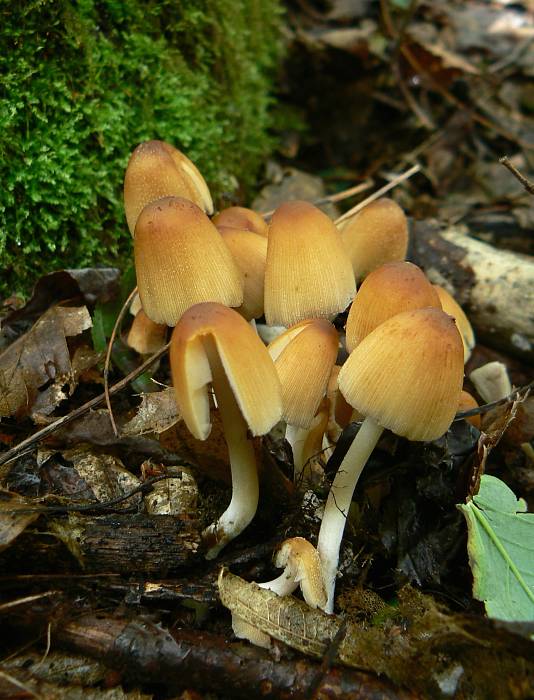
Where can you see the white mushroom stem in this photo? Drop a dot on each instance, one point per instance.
(245, 488)
(307, 447)
(285, 584)
(339, 500)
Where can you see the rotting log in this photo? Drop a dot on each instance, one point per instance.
(123, 543)
(495, 286)
(143, 652)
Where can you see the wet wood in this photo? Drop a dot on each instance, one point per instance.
(495, 286)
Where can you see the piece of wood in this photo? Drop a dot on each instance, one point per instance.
(495, 286)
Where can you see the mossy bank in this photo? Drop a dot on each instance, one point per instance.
(83, 83)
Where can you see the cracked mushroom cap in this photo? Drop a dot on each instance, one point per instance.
(155, 170)
(302, 559)
(247, 364)
(375, 235)
(181, 260)
(388, 290)
(249, 251)
(453, 308)
(242, 218)
(308, 272)
(407, 374)
(304, 356)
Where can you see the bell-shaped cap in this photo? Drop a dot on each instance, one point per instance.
(375, 235)
(467, 403)
(308, 273)
(304, 356)
(145, 336)
(388, 290)
(181, 260)
(247, 364)
(156, 169)
(453, 308)
(249, 251)
(242, 218)
(407, 374)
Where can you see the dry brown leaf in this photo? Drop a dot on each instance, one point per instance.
(14, 517)
(35, 371)
(158, 412)
(177, 495)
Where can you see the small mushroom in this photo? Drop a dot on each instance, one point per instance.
(406, 376)
(453, 308)
(212, 344)
(145, 336)
(241, 218)
(467, 403)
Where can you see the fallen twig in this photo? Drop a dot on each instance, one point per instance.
(527, 184)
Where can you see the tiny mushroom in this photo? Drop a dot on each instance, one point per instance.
(453, 308)
(308, 273)
(214, 345)
(241, 218)
(375, 235)
(467, 403)
(145, 336)
(156, 169)
(406, 376)
(181, 260)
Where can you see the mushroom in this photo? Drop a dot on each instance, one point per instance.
(308, 273)
(214, 345)
(249, 251)
(302, 566)
(406, 376)
(388, 290)
(453, 308)
(145, 336)
(467, 403)
(241, 218)
(376, 235)
(181, 260)
(304, 356)
(155, 170)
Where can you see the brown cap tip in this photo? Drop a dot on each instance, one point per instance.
(375, 235)
(388, 290)
(181, 260)
(308, 273)
(407, 374)
(453, 308)
(242, 218)
(156, 169)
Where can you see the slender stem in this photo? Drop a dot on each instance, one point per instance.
(245, 487)
(339, 500)
(284, 584)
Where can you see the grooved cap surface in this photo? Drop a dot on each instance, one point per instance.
(304, 561)
(242, 218)
(304, 356)
(247, 364)
(181, 260)
(453, 308)
(388, 290)
(375, 235)
(156, 169)
(407, 374)
(308, 272)
(249, 251)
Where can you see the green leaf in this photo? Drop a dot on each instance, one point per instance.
(501, 551)
(98, 330)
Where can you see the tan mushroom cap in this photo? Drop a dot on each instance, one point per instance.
(375, 235)
(249, 251)
(248, 366)
(145, 336)
(302, 557)
(242, 218)
(181, 260)
(156, 169)
(388, 290)
(453, 308)
(308, 273)
(467, 403)
(407, 374)
(304, 356)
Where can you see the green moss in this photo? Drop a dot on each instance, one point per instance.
(84, 82)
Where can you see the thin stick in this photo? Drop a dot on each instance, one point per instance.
(516, 393)
(401, 178)
(337, 197)
(118, 322)
(73, 415)
(527, 184)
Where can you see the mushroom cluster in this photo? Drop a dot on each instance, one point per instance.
(405, 340)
